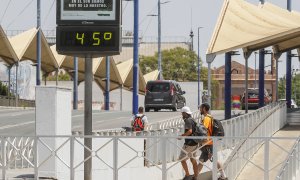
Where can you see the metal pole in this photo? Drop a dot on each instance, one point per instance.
(198, 67)
(135, 97)
(17, 94)
(45, 76)
(107, 85)
(262, 1)
(276, 79)
(9, 75)
(228, 85)
(56, 77)
(209, 83)
(289, 68)
(121, 97)
(255, 82)
(159, 42)
(75, 84)
(288, 78)
(246, 85)
(261, 77)
(88, 119)
(38, 44)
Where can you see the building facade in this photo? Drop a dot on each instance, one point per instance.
(238, 81)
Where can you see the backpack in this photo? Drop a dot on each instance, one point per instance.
(199, 130)
(217, 128)
(138, 124)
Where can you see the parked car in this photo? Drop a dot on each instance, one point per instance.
(164, 94)
(253, 98)
(293, 103)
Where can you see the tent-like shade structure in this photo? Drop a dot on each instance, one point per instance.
(68, 65)
(244, 25)
(151, 76)
(7, 52)
(126, 72)
(294, 16)
(25, 46)
(100, 75)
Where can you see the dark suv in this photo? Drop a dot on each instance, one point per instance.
(164, 94)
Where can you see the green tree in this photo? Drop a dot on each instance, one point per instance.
(295, 88)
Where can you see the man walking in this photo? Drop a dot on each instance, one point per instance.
(190, 146)
(207, 150)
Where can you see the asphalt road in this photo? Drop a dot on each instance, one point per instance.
(16, 122)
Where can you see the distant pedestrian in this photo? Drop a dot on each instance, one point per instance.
(207, 150)
(139, 121)
(190, 147)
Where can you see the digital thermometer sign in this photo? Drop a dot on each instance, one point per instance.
(96, 40)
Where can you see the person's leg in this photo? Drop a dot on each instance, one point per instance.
(200, 165)
(185, 167)
(221, 170)
(195, 167)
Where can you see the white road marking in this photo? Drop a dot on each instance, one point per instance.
(16, 125)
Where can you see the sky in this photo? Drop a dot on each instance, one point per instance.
(178, 18)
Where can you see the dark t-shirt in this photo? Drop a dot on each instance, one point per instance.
(189, 124)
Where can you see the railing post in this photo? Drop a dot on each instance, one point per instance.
(215, 158)
(36, 168)
(164, 158)
(115, 160)
(266, 162)
(72, 172)
(3, 158)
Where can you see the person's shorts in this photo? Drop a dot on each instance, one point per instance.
(188, 152)
(206, 154)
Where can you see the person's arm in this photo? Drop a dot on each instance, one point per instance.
(145, 119)
(188, 133)
(132, 120)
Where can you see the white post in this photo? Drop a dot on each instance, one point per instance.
(53, 118)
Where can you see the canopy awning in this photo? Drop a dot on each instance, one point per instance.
(244, 25)
(68, 65)
(58, 57)
(126, 72)
(100, 75)
(152, 76)
(25, 46)
(7, 52)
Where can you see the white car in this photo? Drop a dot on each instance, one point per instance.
(293, 103)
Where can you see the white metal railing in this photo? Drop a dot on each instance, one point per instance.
(20, 151)
(291, 168)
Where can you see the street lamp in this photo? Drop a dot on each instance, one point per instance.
(159, 36)
(198, 66)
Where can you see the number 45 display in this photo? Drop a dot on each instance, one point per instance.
(96, 37)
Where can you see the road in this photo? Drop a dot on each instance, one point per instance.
(16, 122)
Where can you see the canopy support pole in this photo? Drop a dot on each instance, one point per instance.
(289, 78)
(107, 83)
(228, 85)
(17, 94)
(246, 56)
(75, 84)
(261, 78)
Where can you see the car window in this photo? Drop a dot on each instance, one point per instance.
(158, 87)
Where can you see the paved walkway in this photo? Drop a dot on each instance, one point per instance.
(276, 157)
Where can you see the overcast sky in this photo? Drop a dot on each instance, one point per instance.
(178, 18)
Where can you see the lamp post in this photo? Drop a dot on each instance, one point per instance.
(198, 65)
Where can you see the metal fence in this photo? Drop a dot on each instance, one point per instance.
(160, 149)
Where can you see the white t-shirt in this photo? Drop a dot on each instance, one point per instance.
(144, 119)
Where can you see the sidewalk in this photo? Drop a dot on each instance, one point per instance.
(276, 156)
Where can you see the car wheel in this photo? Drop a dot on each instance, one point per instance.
(147, 109)
(175, 107)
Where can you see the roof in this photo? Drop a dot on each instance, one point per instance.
(25, 46)
(244, 25)
(100, 75)
(126, 72)
(7, 52)
(151, 76)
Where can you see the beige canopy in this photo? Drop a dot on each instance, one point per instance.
(293, 16)
(100, 75)
(7, 52)
(244, 25)
(68, 65)
(152, 76)
(126, 72)
(25, 46)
